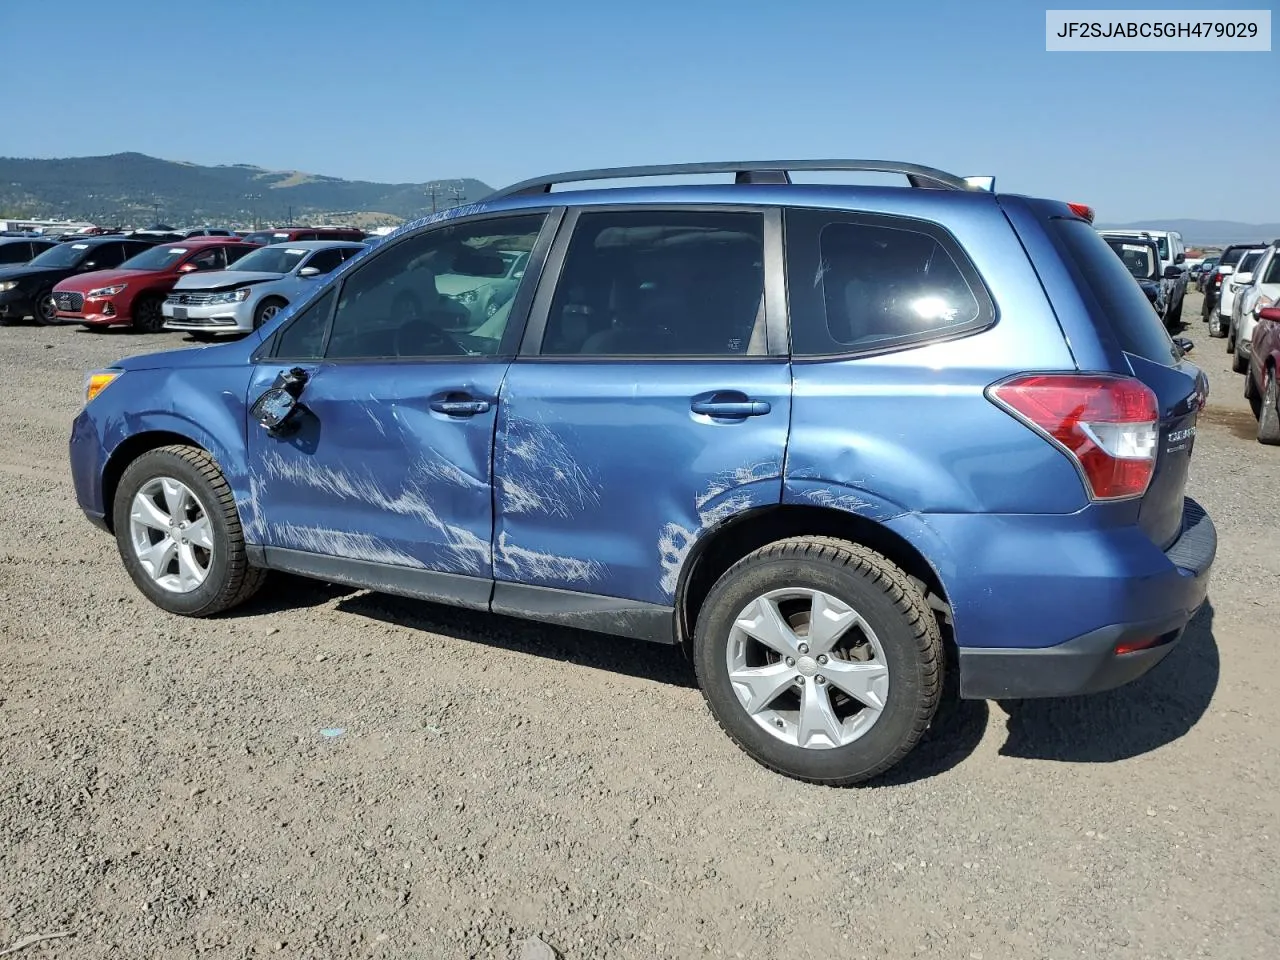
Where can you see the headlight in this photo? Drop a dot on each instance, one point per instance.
(97, 381)
(466, 296)
(106, 291)
(232, 296)
(8, 285)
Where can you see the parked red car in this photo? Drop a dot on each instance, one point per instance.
(132, 292)
(1260, 386)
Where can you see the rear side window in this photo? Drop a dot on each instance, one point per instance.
(1103, 279)
(869, 283)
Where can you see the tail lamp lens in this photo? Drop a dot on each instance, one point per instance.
(1108, 425)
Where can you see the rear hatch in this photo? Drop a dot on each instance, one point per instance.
(1112, 328)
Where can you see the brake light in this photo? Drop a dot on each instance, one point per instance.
(1082, 211)
(1108, 425)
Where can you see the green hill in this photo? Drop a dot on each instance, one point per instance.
(130, 188)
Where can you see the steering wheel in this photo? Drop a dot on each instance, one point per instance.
(417, 335)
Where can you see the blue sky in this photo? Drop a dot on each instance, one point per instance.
(414, 90)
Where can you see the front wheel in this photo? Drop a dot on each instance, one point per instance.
(46, 311)
(1216, 329)
(1251, 394)
(820, 659)
(148, 317)
(267, 310)
(1239, 364)
(179, 534)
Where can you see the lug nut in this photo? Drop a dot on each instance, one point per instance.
(804, 648)
(800, 681)
(822, 658)
(819, 679)
(791, 661)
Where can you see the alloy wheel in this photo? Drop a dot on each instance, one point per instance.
(807, 668)
(170, 533)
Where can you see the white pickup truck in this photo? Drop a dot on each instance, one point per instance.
(1173, 253)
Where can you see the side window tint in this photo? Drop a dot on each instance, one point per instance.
(444, 293)
(303, 338)
(108, 255)
(208, 259)
(876, 282)
(661, 283)
(235, 253)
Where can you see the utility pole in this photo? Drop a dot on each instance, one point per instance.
(291, 214)
(253, 199)
(458, 195)
(435, 194)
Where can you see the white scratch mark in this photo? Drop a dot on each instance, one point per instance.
(676, 540)
(844, 501)
(541, 475)
(377, 421)
(470, 551)
(532, 565)
(337, 543)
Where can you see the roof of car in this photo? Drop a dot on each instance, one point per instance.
(319, 244)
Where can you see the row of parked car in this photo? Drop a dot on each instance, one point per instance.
(210, 282)
(1242, 306)
(1157, 260)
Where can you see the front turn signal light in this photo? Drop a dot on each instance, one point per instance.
(98, 381)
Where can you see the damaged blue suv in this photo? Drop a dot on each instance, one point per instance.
(844, 444)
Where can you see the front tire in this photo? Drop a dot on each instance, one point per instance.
(1239, 364)
(820, 659)
(45, 311)
(179, 534)
(1216, 329)
(147, 315)
(267, 310)
(1251, 394)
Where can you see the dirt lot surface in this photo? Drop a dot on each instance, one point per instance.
(167, 790)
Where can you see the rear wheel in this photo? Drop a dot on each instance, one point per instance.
(267, 310)
(1251, 394)
(1216, 329)
(179, 534)
(820, 659)
(1269, 416)
(46, 312)
(147, 315)
(1239, 364)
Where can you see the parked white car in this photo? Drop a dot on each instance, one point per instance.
(1232, 284)
(262, 284)
(1262, 291)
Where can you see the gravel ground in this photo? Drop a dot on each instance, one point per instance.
(168, 791)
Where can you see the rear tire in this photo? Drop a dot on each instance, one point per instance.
(1215, 324)
(147, 315)
(1251, 394)
(883, 640)
(183, 484)
(1269, 416)
(1239, 364)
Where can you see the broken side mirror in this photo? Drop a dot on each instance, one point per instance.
(1184, 344)
(277, 409)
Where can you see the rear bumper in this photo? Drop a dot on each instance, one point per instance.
(1090, 662)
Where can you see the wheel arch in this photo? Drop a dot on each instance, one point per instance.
(129, 450)
(720, 548)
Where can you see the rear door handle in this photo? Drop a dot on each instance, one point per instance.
(731, 408)
(460, 408)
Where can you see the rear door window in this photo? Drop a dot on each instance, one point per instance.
(861, 283)
(1103, 278)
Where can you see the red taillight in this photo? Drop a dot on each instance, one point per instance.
(1108, 425)
(1082, 211)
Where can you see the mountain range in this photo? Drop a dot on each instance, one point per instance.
(130, 188)
(1207, 232)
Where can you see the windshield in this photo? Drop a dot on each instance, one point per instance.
(1138, 258)
(1162, 244)
(271, 259)
(1232, 257)
(1273, 270)
(157, 258)
(63, 255)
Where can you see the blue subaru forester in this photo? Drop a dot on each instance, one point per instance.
(835, 441)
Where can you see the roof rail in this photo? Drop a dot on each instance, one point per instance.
(755, 171)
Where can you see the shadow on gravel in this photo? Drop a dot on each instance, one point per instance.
(1132, 720)
(648, 661)
(285, 592)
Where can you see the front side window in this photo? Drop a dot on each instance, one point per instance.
(325, 260)
(871, 283)
(212, 259)
(661, 283)
(303, 337)
(429, 295)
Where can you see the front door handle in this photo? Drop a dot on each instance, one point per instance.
(731, 408)
(460, 408)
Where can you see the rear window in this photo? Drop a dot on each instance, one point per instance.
(1117, 296)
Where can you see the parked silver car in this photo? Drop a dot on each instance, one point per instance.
(263, 282)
